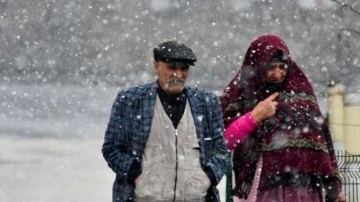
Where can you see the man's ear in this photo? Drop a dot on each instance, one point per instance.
(156, 65)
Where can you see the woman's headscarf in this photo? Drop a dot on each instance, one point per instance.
(296, 140)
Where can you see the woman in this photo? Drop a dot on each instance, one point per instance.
(282, 156)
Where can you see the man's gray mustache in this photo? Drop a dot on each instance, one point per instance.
(176, 80)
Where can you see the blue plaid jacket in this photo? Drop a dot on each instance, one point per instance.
(129, 128)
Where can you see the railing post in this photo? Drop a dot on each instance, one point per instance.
(336, 114)
(229, 186)
(352, 124)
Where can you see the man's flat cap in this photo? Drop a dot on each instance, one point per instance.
(172, 51)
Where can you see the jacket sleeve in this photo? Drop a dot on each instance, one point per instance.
(239, 130)
(216, 162)
(115, 143)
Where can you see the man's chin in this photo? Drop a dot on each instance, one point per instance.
(176, 85)
(174, 90)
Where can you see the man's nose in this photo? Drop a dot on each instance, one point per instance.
(178, 73)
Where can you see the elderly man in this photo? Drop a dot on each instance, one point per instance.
(165, 140)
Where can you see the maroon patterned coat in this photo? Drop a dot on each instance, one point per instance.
(296, 142)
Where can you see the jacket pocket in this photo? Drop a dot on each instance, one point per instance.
(196, 187)
(150, 184)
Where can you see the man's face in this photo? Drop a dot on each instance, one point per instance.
(171, 76)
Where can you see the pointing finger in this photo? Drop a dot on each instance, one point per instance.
(275, 103)
(272, 97)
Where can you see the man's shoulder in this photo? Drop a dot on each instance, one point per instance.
(136, 92)
(198, 91)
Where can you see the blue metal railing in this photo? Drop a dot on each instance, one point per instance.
(349, 167)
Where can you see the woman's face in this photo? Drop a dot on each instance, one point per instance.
(276, 72)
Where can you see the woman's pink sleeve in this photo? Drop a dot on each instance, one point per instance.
(239, 130)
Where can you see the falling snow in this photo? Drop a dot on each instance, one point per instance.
(63, 62)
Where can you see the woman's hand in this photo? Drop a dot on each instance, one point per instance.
(265, 109)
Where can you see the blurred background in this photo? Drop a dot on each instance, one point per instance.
(62, 63)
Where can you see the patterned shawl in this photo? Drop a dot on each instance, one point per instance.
(296, 141)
